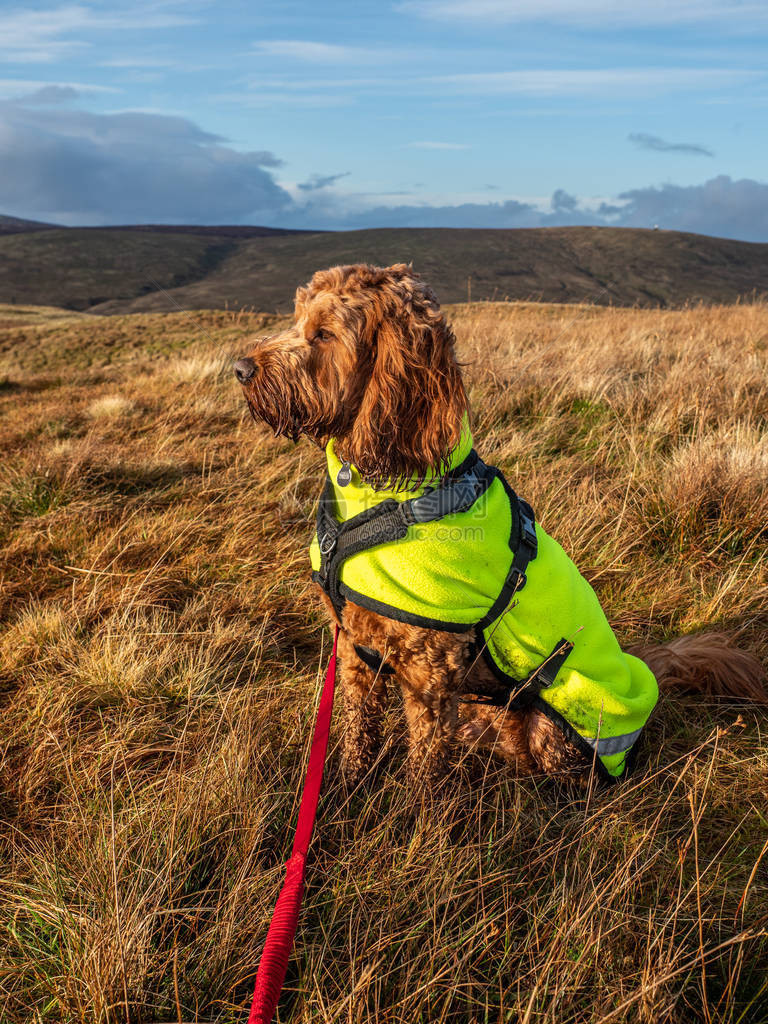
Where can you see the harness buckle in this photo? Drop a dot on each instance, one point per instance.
(528, 530)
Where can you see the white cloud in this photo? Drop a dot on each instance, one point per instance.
(554, 82)
(321, 53)
(138, 62)
(43, 35)
(536, 83)
(436, 145)
(269, 95)
(594, 13)
(19, 88)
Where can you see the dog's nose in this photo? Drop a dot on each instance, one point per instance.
(244, 370)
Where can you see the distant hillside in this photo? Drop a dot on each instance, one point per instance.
(222, 230)
(159, 269)
(13, 225)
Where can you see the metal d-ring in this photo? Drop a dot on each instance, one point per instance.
(327, 544)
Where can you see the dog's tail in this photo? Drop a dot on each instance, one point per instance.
(706, 663)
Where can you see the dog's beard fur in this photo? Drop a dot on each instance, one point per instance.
(298, 389)
(370, 361)
(281, 402)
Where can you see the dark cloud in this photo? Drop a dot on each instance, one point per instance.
(721, 206)
(317, 182)
(564, 202)
(331, 214)
(49, 95)
(74, 167)
(71, 166)
(645, 141)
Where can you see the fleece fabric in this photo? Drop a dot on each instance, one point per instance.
(447, 574)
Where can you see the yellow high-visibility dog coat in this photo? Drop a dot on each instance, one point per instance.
(462, 554)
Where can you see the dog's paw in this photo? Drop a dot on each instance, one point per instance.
(427, 773)
(356, 771)
(474, 731)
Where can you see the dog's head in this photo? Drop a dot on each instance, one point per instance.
(369, 361)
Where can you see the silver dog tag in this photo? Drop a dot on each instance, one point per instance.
(344, 476)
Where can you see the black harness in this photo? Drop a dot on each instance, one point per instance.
(390, 520)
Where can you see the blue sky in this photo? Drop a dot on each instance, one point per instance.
(417, 112)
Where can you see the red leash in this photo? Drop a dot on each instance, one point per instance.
(282, 929)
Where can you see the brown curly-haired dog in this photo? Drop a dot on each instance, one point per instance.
(369, 362)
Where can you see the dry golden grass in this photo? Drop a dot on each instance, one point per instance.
(110, 406)
(159, 670)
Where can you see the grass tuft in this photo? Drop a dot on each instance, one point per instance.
(30, 494)
(110, 407)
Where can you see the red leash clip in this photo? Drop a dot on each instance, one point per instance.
(282, 929)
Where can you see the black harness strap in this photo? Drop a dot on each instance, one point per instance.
(513, 694)
(371, 657)
(389, 520)
(525, 550)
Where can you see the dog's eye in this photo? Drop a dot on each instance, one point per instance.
(323, 335)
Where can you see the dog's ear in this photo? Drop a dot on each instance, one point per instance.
(411, 412)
